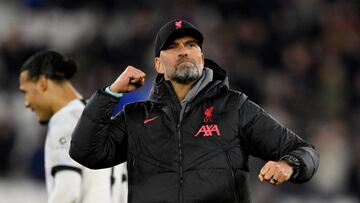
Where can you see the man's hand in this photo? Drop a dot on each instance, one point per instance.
(276, 172)
(129, 80)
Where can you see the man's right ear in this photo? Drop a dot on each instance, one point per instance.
(42, 83)
(158, 65)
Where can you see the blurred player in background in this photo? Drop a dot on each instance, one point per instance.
(44, 80)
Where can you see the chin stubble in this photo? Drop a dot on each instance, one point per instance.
(185, 71)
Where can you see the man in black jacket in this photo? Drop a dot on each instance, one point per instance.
(191, 141)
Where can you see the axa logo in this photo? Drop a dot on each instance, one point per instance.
(208, 130)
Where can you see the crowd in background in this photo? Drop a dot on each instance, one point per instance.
(298, 59)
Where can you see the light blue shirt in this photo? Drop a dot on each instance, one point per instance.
(115, 94)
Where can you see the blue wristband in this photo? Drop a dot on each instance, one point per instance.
(115, 94)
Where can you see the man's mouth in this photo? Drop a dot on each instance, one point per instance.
(184, 60)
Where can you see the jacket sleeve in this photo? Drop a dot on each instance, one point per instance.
(269, 140)
(98, 140)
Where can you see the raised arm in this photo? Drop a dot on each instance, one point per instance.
(99, 141)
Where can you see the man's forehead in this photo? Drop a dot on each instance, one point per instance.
(22, 81)
(24, 75)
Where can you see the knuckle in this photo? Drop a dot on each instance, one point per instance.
(281, 173)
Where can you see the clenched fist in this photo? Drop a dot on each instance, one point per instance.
(129, 80)
(276, 172)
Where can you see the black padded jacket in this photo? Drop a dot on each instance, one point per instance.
(201, 158)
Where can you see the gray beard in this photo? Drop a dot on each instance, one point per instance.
(185, 73)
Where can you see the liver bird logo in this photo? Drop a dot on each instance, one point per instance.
(178, 24)
(208, 114)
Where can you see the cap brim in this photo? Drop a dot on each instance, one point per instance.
(183, 32)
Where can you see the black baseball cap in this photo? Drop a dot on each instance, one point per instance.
(173, 30)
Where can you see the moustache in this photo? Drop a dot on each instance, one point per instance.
(184, 59)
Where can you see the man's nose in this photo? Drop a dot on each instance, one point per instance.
(183, 51)
(184, 54)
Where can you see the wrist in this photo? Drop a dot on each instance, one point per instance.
(116, 94)
(294, 163)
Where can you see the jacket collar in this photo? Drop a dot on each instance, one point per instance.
(162, 90)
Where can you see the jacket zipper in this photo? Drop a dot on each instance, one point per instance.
(180, 165)
(236, 194)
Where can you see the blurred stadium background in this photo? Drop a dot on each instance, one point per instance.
(298, 59)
